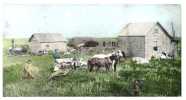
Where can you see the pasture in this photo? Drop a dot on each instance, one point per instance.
(160, 78)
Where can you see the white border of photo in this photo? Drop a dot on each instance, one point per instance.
(95, 2)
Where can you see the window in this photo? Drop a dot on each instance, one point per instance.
(113, 43)
(155, 42)
(155, 48)
(156, 30)
(47, 45)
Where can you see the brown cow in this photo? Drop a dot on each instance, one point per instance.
(99, 62)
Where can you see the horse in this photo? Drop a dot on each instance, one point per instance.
(114, 57)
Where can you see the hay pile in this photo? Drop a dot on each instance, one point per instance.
(30, 71)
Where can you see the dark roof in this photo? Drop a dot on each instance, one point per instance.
(47, 37)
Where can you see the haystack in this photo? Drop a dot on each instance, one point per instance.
(30, 71)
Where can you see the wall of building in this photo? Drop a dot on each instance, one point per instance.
(102, 42)
(54, 45)
(133, 46)
(35, 46)
(108, 43)
(156, 38)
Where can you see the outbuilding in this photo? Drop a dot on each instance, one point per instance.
(47, 41)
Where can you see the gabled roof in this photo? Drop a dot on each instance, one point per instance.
(141, 29)
(47, 37)
(136, 29)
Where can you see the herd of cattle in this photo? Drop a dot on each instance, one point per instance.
(97, 61)
(108, 61)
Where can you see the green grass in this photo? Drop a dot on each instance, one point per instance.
(161, 78)
(9, 60)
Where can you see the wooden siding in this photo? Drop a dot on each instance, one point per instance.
(157, 37)
(134, 46)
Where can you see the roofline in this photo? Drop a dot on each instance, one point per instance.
(165, 31)
(53, 42)
(44, 42)
(29, 40)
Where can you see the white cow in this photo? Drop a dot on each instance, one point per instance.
(56, 67)
(140, 60)
(164, 55)
(64, 60)
(118, 53)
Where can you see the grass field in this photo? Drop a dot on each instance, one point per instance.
(161, 78)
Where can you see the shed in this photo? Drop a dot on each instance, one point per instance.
(47, 41)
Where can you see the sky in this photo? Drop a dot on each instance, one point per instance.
(22, 21)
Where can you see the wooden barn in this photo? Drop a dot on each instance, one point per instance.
(146, 40)
(47, 41)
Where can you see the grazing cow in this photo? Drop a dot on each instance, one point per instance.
(165, 55)
(57, 67)
(140, 60)
(99, 62)
(70, 63)
(114, 57)
(82, 63)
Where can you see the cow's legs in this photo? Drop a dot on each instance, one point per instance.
(107, 67)
(98, 68)
(115, 63)
(90, 67)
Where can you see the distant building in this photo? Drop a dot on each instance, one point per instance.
(102, 42)
(47, 41)
(80, 40)
(108, 42)
(146, 40)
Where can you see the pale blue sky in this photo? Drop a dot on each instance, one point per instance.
(84, 20)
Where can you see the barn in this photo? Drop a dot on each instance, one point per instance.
(47, 41)
(146, 40)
